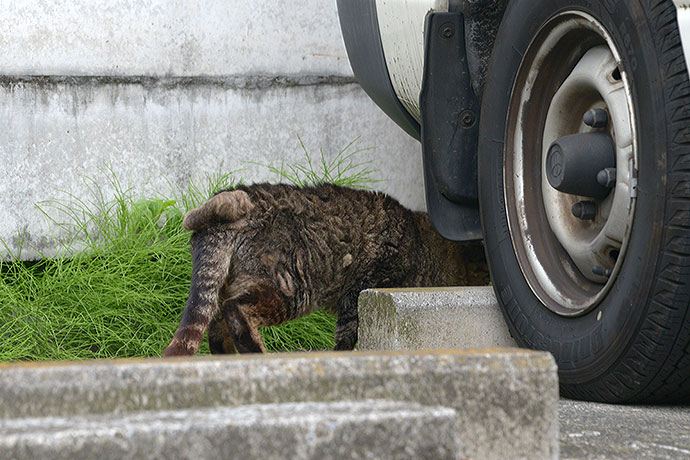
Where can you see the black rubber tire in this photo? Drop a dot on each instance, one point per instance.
(639, 349)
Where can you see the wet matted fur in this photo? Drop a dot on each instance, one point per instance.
(265, 254)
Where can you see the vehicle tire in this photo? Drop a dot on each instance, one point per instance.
(607, 293)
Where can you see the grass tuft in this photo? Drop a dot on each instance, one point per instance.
(121, 277)
(342, 169)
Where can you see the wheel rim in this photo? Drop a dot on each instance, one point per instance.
(571, 67)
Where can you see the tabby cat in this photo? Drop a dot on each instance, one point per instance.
(265, 254)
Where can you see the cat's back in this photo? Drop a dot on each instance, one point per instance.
(331, 231)
(344, 209)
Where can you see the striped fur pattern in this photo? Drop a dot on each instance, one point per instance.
(265, 254)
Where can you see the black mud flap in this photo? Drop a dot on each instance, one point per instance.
(449, 130)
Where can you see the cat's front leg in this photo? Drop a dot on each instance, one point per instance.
(348, 322)
(259, 305)
(243, 330)
(219, 339)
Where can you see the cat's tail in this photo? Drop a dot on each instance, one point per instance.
(224, 207)
(211, 267)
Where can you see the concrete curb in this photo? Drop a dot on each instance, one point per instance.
(408, 319)
(506, 400)
(367, 429)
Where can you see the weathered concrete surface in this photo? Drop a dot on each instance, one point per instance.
(506, 400)
(366, 429)
(164, 91)
(171, 37)
(408, 319)
(592, 431)
(157, 136)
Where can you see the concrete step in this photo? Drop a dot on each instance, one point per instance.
(427, 318)
(337, 430)
(505, 400)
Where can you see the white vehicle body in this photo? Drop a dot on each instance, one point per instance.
(402, 35)
(683, 7)
(401, 23)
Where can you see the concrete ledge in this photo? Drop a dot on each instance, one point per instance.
(408, 319)
(506, 400)
(154, 136)
(367, 429)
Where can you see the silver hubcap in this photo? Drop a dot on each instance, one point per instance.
(570, 68)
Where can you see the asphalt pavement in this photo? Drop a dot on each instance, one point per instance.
(592, 431)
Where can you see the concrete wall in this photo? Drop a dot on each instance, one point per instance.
(164, 91)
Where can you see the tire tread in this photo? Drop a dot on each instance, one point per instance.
(636, 355)
(663, 342)
(671, 379)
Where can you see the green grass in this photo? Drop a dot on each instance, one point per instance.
(342, 169)
(120, 280)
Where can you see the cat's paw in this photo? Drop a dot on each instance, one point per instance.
(177, 349)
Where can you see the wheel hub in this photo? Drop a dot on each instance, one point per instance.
(592, 151)
(570, 174)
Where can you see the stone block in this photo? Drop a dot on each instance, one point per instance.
(298, 431)
(427, 318)
(506, 399)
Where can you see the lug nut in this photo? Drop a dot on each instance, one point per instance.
(584, 210)
(607, 177)
(596, 118)
(601, 271)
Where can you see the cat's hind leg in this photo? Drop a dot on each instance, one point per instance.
(261, 304)
(211, 265)
(348, 322)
